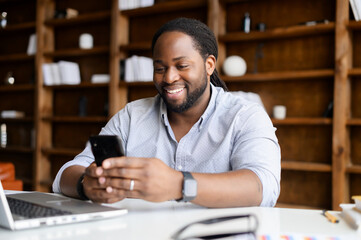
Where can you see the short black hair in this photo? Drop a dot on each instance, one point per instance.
(203, 39)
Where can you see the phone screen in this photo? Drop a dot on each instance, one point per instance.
(105, 146)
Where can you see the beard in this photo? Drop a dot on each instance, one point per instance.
(191, 99)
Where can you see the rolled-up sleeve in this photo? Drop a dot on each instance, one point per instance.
(256, 148)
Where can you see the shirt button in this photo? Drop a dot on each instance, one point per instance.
(180, 167)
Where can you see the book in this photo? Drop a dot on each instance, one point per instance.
(63, 72)
(69, 72)
(12, 114)
(55, 73)
(131, 4)
(31, 45)
(48, 79)
(356, 9)
(138, 68)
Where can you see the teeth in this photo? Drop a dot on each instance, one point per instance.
(175, 91)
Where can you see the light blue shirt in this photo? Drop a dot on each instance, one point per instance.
(232, 134)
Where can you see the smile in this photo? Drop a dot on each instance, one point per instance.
(174, 91)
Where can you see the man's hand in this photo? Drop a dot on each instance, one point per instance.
(96, 191)
(153, 180)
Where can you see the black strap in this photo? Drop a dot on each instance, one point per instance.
(80, 188)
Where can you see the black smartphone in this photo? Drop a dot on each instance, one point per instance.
(105, 146)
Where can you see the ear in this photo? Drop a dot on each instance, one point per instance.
(210, 64)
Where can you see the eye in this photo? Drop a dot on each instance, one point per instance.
(182, 66)
(159, 69)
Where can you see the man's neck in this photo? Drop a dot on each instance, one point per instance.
(181, 123)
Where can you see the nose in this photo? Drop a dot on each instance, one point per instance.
(171, 75)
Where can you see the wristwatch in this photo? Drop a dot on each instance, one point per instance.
(80, 188)
(189, 190)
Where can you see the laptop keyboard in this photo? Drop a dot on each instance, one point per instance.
(32, 210)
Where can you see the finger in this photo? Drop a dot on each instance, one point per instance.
(125, 184)
(91, 182)
(124, 162)
(94, 171)
(132, 173)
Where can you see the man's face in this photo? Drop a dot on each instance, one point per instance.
(180, 74)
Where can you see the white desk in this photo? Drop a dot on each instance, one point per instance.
(160, 220)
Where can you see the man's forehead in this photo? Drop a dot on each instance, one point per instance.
(173, 59)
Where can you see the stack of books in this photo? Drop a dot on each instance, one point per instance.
(138, 68)
(352, 213)
(63, 72)
(131, 4)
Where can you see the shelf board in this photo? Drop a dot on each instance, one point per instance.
(75, 52)
(281, 75)
(354, 169)
(82, 18)
(283, 32)
(306, 166)
(16, 57)
(354, 25)
(78, 86)
(172, 6)
(11, 1)
(354, 72)
(19, 26)
(354, 122)
(76, 119)
(17, 120)
(138, 46)
(302, 121)
(61, 151)
(233, 1)
(135, 84)
(17, 88)
(16, 149)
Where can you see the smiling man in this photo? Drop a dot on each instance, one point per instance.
(194, 141)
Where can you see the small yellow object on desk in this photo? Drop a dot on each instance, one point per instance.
(330, 217)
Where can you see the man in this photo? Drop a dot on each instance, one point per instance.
(192, 142)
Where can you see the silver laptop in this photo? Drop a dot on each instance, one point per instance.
(36, 209)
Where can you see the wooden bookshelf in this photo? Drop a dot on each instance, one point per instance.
(281, 75)
(16, 57)
(77, 52)
(73, 119)
(18, 27)
(302, 121)
(306, 166)
(165, 7)
(20, 96)
(71, 152)
(17, 88)
(81, 19)
(279, 33)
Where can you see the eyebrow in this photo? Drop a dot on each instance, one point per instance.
(174, 59)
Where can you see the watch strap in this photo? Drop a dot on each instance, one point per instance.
(80, 188)
(185, 198)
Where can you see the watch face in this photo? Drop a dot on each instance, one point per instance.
(190, 187)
